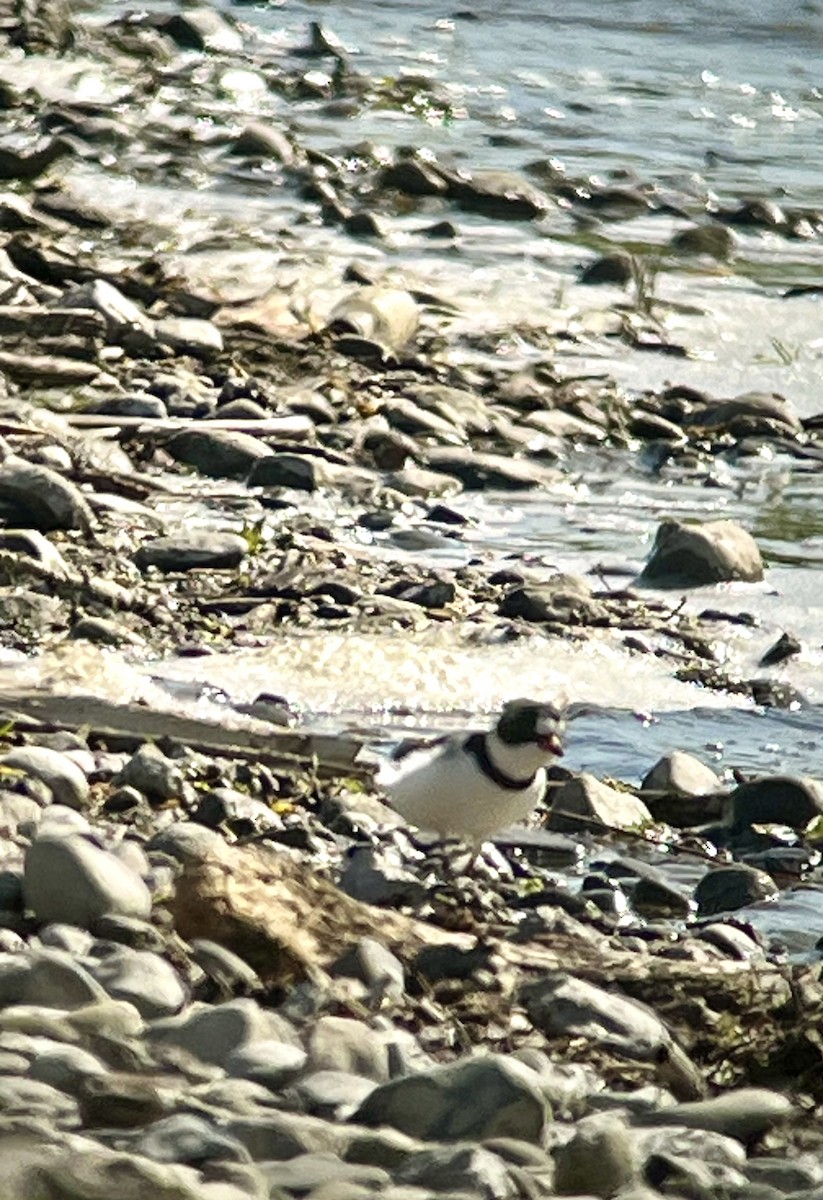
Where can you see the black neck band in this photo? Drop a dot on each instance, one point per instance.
(476, 746)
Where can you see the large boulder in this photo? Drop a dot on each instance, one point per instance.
(696, 555)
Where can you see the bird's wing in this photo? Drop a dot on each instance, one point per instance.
(411, 756)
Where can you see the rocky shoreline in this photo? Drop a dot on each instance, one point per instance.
(228, 970)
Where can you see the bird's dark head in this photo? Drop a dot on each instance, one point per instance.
(529, 722)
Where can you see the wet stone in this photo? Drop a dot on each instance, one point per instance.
(726, 889)
(66, 1068)
(696, 555)
(138, 404)
(344, 1045)
(792, 800)
(586, 801)
(120, 1101)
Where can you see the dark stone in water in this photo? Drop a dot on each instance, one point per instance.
(786, 646)
(617, 268)
(791, 800)
(726, 889)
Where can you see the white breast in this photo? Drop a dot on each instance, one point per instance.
(447, 793)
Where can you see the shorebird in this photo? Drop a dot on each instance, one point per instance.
(469, 787)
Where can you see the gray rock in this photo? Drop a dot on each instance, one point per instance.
(104, 632)
(142, 978)
(598, 1160)
(464, 1169)
(672, 1174)
(213, 1033)
(488, 1096)
(186, 841)
(585, 801)
(219, 453)
(123, 317)
(749, 414)
(378, 877)
(373, 964)
(193, 551)
(47, 977)
(792, 800)
(259, 141)
(103, 1174)
(17, 813)
(121, 1101)
(116, 1020)
(306, 1172)
(560, 1004)
(712, 240)
(332, 1094)
(190, 335)
(696, 555)
(726, 889)
(69, 879)
(153, 774)
(343, 1044)
(241, 813)
(273, 1064)
(66, 1068)
(29, 1097)
(784, 1174)
(503, 195)
(63, 777)
(680, 774)
(745, 1113)
(202, 28)
(618, 268)
(387, 1148)
(284, 1135)
(136, 404)
(58, 821)
(563, 598)
(227, 970)
(188, 1138)
(42, 498)
(478, 472)
(303, 472)
(233, 1097)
